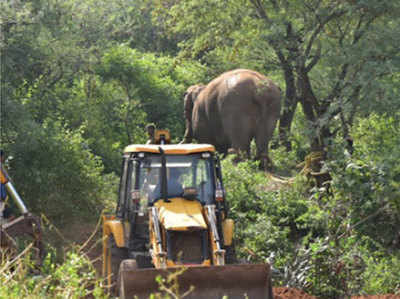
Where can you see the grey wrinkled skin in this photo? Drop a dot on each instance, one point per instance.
(233, 109)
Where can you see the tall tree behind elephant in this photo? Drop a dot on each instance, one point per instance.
(233, 109)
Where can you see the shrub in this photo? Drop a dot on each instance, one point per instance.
(332, 244)
(367, 182)
(74, 277)
(56, 174)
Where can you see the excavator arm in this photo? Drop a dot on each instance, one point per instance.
(25, 225)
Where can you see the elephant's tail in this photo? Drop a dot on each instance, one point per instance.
(267, 98)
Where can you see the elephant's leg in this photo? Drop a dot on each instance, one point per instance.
(223, 149)
(240, 132)
(263, 136)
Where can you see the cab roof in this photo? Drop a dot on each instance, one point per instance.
(180, 149)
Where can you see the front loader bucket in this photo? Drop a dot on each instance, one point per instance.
(234, 281)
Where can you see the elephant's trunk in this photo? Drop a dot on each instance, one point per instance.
(191, 95)
(188, 137)
(188, 109)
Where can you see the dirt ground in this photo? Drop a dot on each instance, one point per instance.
(286, 293)
(387, 296)
(88, 238)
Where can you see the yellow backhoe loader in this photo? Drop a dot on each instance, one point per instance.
(26, 225)
(172, 213)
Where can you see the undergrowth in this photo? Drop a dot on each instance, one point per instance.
(332, 243)
(74, 277)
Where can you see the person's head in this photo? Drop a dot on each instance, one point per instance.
(151, 128)
(2, 156)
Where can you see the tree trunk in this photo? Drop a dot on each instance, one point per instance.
(286, 119)
(289, 103)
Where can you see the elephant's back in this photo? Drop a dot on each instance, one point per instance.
(241, 88)
(207, 115)
(232, 101)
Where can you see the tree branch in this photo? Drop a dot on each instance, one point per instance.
(360, 32)
(337, 88)
(260, 10)
(274, 4)
(374, 214)
(314, 59)
(308, 99)
(319, 28)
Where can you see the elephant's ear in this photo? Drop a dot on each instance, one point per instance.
(188, 103)
(192, 93)
(196, 91)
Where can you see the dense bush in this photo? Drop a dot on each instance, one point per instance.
(367, 182)
(332, 244)
(57, 175)
(74, 277)
(151, 83)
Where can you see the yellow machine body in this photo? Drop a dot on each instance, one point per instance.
(181, 214)
(182, 233)
(228, 226)
(175, 149)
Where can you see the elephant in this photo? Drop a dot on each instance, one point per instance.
(231, 110)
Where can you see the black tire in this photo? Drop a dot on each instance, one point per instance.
(270, 290)
(126, 265)
(144, 261)
(230, 254)
(118, 254)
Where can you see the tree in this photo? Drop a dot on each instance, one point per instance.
(40, 53)
(153, 84)
(331, 53)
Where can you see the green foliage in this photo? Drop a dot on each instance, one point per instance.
(81, 79)
(267, 214)
(360, 250)
(333, 57)
(334, 244)
(153, 84)
(367, 181)
(285, 162)
(56, 174)
(74, 277)
(169, 287)
(381, 273)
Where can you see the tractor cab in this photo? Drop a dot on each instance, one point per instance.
(164, 172)
(173, 190)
